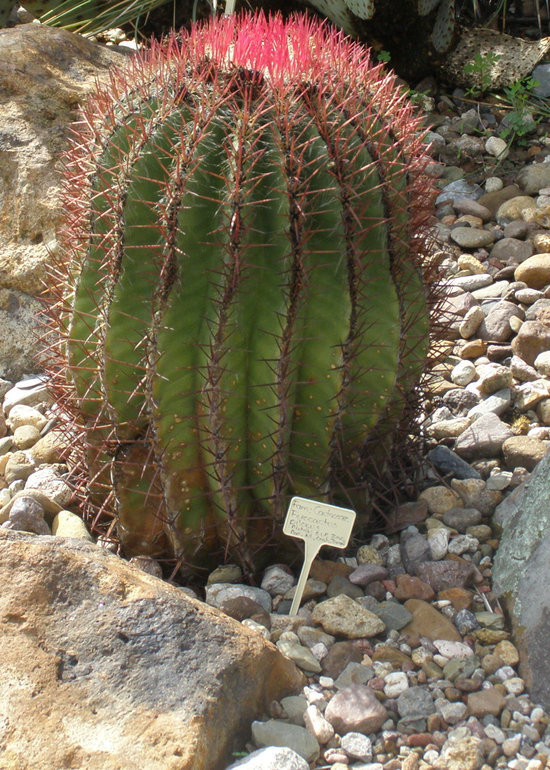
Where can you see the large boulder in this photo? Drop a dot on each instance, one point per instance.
(105, 666)
(45, 74)
(521, 576)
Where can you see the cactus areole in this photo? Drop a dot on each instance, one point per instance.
(244, 299)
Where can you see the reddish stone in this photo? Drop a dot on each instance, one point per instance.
(367, 573)
(324, 570)
(460, 598)
(338, 657)
(420, 739)
(356, 709)
(449, 573)
(406, 514)
(408, 587)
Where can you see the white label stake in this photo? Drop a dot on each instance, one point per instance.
(316, 524)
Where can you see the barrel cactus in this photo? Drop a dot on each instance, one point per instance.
(243, 293)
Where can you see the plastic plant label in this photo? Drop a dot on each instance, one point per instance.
(316, 524)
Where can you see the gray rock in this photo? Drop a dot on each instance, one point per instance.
(53, 70)
(393, 614)
(341, 585)
(461, 518)
(472, 237)
(470, 282)
(277, 580)
(459, 189)
(415, 702)
(522, 371)
(466, 622)
(472, 207)
(495, 327)
(275, 732)
(300, 655)
(27, 515)
(294, 707)
(483, 439)
(532, 313)
(357, 746)
(517, 229)
(536, 176)
(521, 571)
(497, 404)
(449, 463)
(460, 401)
(415, 549)
(271, 758)
(217, 593)
(114, 649)
(533, 338)
(354, 673)
(30, 391)
(367, 573)
(512, 251)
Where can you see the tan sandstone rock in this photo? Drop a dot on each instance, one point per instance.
(121, 669)
(45, 74)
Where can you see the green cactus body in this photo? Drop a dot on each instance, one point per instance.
(247, 301)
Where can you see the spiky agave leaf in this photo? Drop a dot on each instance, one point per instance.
(247, 293)
(90, 17)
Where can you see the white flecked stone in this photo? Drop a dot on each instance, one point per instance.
(493, 184)
(217, 593)
(497, 147)
(257, 627)
(21, 414)
(271, 758)
(522, 371)
(542, 363)
(495, 734)
(395, 683)
(496, 404)
(357, 746)
(493, 377)
(277, 580)
(463, 544)
(452, 713)
(495, 290)
(49, 482)
(528, 394)
(453, 649)
(275, 732)
(464, 372)
(317, 725)
(343, 616)
(515, 685)
(30, 391)
(500, 480)
(449, 428)
(438, 540)
(471, 322)
(302, 656)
